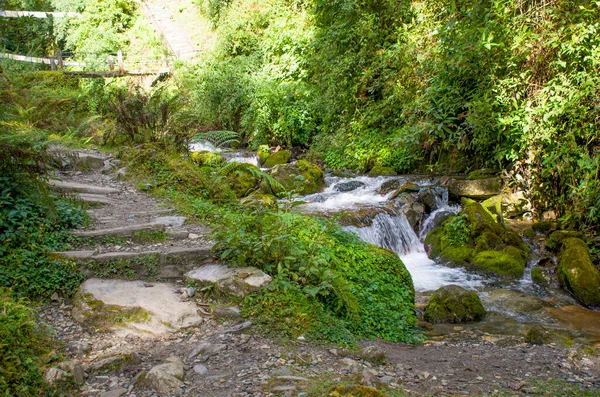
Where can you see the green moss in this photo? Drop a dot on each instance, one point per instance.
(543, 226)
(207, 158)
(537, 335)
(454, 304)
(537, 276)
(506, 263)
(243, 182)
(577, 273)
(493, 205)
(480, 174)
(280, 157)
(380, 170)
(302, 176)
(529, 233)
(455, 256)
(554, 243)
(263, 153)
(488, 241)
(100, 315)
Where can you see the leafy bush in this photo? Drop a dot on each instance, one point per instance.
(22, 347)
(362, 289)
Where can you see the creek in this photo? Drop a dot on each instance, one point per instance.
(379, 218)
(513, 307)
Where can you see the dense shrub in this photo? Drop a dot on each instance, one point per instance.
(22, 347)
(355, 287)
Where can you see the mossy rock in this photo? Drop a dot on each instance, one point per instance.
(529, 233)
(207, 158)
(493, 205)
(454, 304)
(481, 174)
(302, 176)
(389, 186)
(577, 273)
(479, 189)
(537, 335)
(556, 239)
(473, 239)
(280, 157)
(407, 187)
(380, 170)
(537, 276)
(263, 154)
(508, 263)
(543, 226)
(243, 181)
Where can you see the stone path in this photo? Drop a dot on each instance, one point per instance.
(157, 336)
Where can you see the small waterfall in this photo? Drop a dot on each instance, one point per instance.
(391, 232)
(395, 233)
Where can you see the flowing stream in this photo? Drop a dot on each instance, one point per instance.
(513, 307)
(390, 229)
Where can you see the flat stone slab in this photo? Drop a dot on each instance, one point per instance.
(119, 231)
(163, 311)
(73, 187)
(90, 161)
(239, 281)
(170, 221)
(475, 189)
(95, 199)
(181, 253)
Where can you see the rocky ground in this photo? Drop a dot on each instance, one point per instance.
(222, 354)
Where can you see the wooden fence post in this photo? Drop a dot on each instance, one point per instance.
(59, 56)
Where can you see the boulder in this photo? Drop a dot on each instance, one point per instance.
(429, 198)
(389, 186)
(454, 304)
(302, 176)
(473, 239)
(207, 158)
(89, 161)
(405, 188)
(165, 379)
(55, 375)
(243, 180)
(554, 243)
(238, 281)
(475, 189)
(136, 306)
(380, 170)
(75, 371)
(577, 273)
(481, 174)
(363, 216)
(280, 157)
(348, 186)
(262, 154)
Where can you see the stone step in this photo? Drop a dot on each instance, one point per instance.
(95, 199)
(72, 187)
(186, 254)
(122, 231)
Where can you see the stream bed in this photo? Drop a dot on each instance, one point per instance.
(513, 307)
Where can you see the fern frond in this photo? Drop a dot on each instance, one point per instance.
(217, 138)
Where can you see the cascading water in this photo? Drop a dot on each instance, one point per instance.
(239, 157)
(390, 229)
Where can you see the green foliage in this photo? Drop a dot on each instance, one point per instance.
(457, 230)
(366, 288)
(27, 35)
(22, 347)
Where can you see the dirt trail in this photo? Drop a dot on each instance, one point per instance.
(181, 25)
(247, 363)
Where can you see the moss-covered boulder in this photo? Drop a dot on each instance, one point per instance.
(380, 170)
(244, 181)
(475, 189)
(302, 176)
(263, 154)
(389, 186)
(280, 157)
(473, 239)
(259, 200)
(207, 158)
(481, 174)
(454, 304)
(577, 273)
(556, 239)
